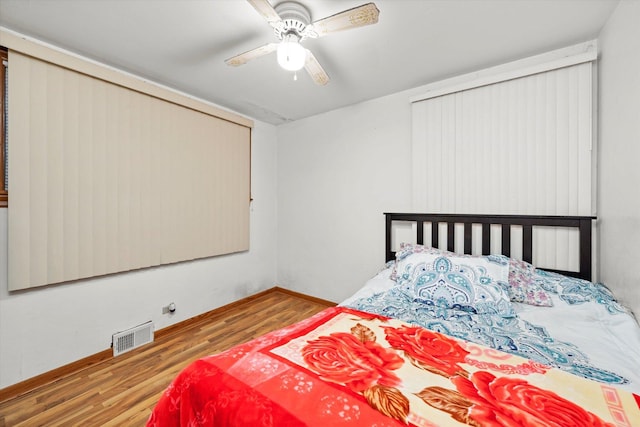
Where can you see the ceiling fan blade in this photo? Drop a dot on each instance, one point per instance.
(360, 16)
(315, 70)
(267, 11)
(243, 58)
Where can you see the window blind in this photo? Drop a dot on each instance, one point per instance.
(106, 179)
(522, 146)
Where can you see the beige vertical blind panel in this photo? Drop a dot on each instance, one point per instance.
(522, 146)
(105, 179)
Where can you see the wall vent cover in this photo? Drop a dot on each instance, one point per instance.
(132, 338)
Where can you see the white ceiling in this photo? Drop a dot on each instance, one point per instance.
(183, 44)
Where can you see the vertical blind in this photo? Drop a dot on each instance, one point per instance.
(106, 179)
(522, 146)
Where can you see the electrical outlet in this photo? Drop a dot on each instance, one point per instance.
(171, 308)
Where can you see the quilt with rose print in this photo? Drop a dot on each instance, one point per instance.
(349, 367)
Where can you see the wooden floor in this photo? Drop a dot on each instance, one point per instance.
(122, 391)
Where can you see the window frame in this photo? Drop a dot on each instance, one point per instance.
(4, 191)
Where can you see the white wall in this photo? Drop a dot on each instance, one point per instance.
(45, 328)
(337, 174)
(619, 175)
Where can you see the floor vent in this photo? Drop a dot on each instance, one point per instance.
(132, 338)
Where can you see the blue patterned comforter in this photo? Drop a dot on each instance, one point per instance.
(510, 334)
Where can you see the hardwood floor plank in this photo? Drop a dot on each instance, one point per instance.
(122, 391)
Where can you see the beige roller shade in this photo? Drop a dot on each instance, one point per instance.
(105, 179)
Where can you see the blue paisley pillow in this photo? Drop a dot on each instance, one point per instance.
(407, 249)
(471, 284)
(521, 285)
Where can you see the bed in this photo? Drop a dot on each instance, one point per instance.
(437, 337)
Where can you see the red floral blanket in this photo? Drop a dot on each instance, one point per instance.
(346, 367)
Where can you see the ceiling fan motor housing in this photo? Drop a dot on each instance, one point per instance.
(295, 17)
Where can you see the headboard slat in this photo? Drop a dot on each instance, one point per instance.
(434, 234)
(527, 243)
(506, 240)
(486, 239)
(467, 237)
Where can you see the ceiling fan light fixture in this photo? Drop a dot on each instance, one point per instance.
(291, 54)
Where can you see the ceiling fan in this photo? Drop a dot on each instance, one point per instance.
(292, 24)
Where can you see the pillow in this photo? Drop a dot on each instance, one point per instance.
(407, 249)
(523, 286)
(578, 291)
(472, 284)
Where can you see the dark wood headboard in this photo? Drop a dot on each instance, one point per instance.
(582, 223)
